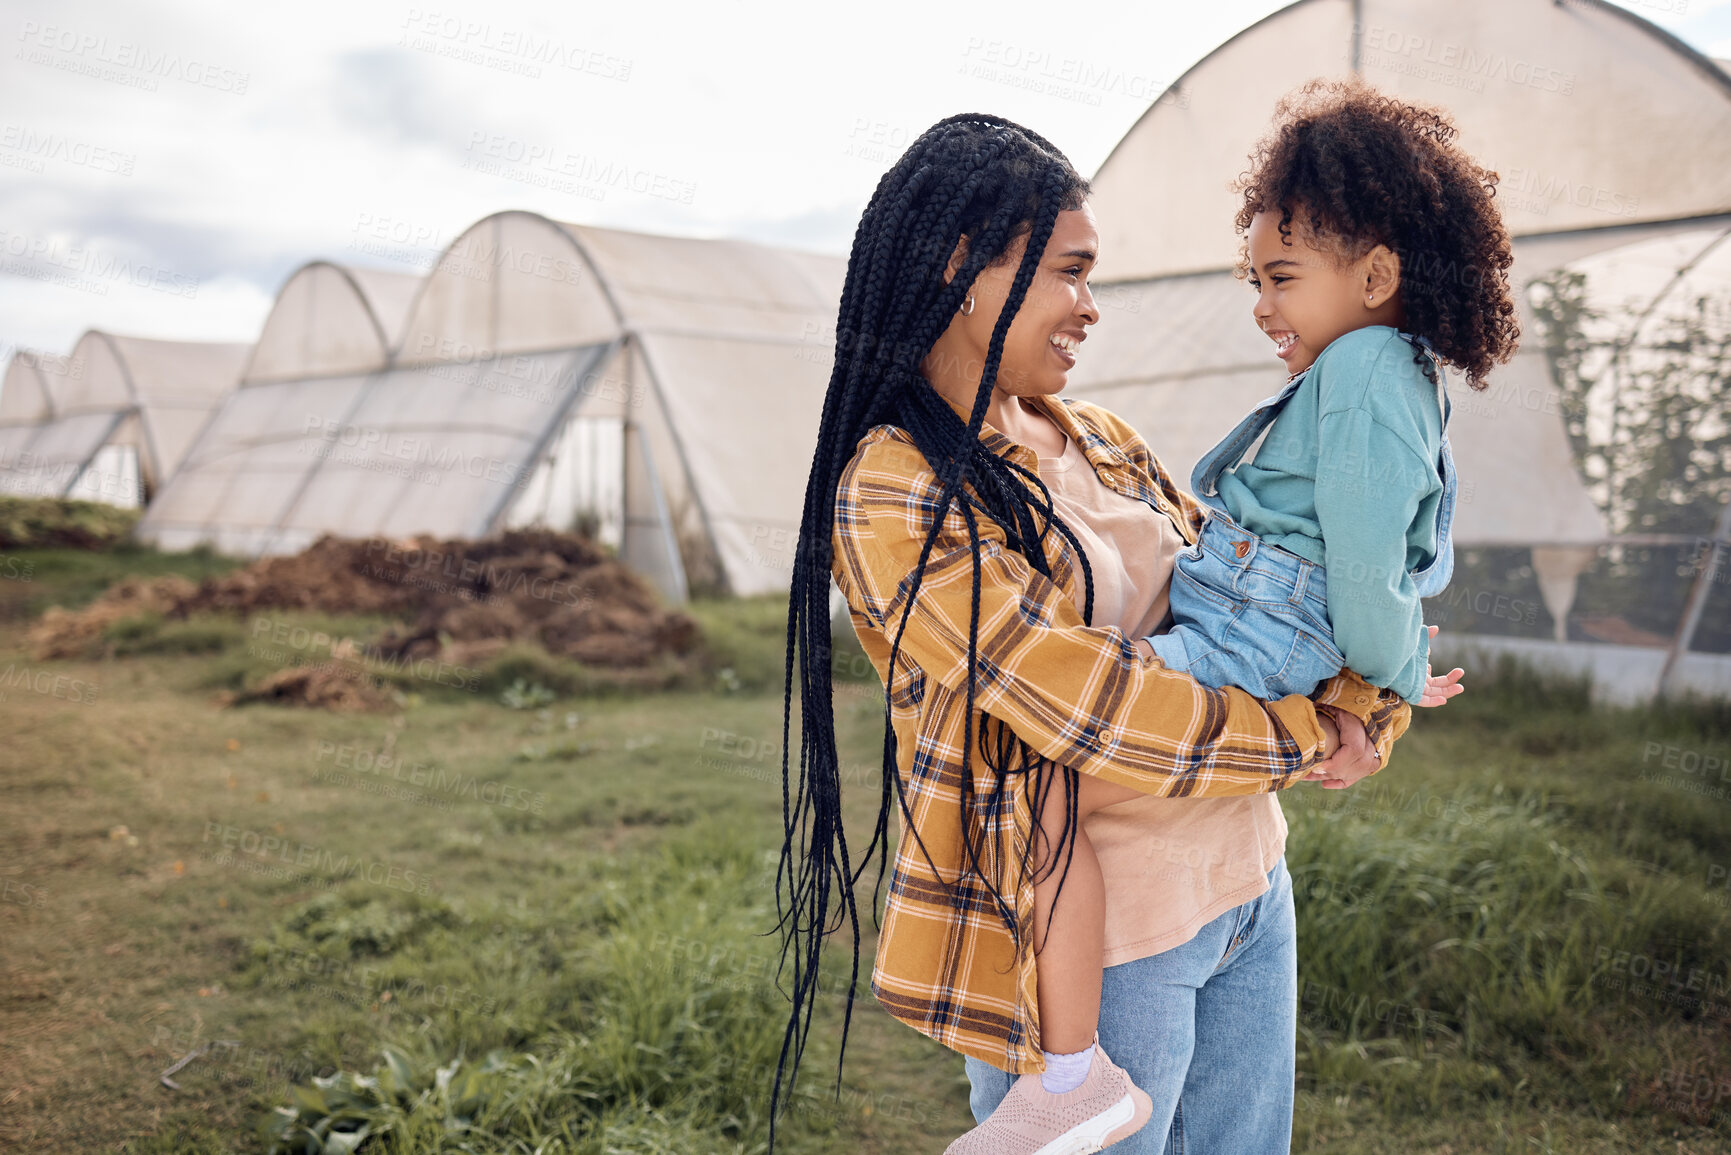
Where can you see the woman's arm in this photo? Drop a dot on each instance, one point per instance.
(1079, 695)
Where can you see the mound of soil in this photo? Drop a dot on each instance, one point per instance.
(331, 686)
(61, 633)
(460, 601)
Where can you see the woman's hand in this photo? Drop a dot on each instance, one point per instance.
(1437, 691)
(1354, 759)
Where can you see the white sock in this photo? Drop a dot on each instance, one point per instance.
(1066, 1072)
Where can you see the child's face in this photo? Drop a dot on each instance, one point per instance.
(1307, 296)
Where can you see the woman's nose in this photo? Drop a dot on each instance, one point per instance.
(1085, 305)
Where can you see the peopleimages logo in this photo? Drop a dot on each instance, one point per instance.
(221, 837)
(1038, 69)
(44, 146)
(47, 683)
(298, 641)
(468, 571)
(518, 50)
(582, 174)
(47, 258)
(383, 764)
(1537, 191)
(81, 51)
(384, 444)
(1451, 63)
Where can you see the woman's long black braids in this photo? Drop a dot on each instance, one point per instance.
(989, 180)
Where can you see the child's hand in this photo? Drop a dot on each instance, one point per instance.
(1437, 691)
(1353, 758)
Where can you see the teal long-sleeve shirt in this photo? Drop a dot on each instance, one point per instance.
(1348, 478)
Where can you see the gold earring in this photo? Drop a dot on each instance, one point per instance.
(968, 306)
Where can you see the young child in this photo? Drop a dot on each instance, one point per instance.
(1377, 254)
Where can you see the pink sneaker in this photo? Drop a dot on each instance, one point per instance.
(1107, 1107)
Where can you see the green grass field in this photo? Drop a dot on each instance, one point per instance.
(473, 927)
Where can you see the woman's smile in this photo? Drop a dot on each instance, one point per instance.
(1064, 345)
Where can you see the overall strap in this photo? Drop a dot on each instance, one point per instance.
(1444, 405)
(1234, 445)
(1430, 580)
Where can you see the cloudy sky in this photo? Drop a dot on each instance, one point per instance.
(165, 165)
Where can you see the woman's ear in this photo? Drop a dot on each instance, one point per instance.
(1381, 276)
(957, 256)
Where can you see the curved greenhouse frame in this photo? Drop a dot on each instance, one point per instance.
(640, 386)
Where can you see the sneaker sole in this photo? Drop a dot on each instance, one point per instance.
(1120, 1121)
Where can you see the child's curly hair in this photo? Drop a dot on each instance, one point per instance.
(1361, 168)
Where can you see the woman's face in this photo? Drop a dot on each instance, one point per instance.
(1050, 326)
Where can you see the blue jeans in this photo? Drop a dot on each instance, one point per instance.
(1208, 1029)
(1248, 614)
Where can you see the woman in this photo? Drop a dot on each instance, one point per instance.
(975, 597)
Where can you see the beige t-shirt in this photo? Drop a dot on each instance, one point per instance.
(1171, 865)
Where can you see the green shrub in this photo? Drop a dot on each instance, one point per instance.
(41, 522)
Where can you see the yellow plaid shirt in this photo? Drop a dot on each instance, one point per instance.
(1078, 695)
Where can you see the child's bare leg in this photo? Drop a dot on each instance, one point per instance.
(1072, 941)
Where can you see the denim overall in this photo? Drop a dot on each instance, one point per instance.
(1253, 615)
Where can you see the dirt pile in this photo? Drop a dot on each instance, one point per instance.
(338, 685)
(61, 633)
(461, 602)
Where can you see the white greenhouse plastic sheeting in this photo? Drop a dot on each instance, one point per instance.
(111, 420)
(330, 319)
(436, 449)
(732, 344)
(720, 354)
